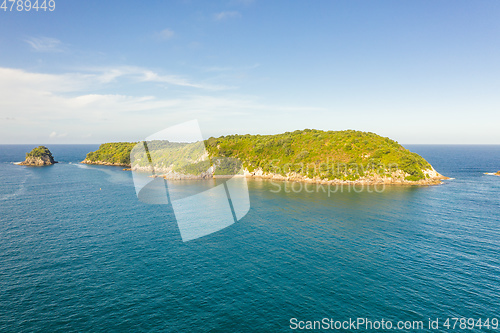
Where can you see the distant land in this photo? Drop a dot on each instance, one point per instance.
(304, 155)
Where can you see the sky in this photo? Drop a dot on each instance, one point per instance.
(100, 71)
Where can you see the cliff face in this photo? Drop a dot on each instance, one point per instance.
(40, 156)
(38, 161)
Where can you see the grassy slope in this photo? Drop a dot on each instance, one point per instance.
(333, 154)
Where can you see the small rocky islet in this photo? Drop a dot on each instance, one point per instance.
(39, 156)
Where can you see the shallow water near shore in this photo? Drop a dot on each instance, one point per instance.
(79, 252)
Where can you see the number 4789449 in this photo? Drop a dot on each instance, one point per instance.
(27, 5)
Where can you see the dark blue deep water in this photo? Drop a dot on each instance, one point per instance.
(80, 253)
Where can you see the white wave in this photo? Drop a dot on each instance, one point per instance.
(82, 166)
(115, 176)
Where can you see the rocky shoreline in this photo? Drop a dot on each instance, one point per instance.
(37, 161)
(106, 163)
(397, 178)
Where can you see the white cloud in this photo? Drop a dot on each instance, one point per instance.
(45, 44)
(106, 75)
(67, 107)
(109, 75)
(150, 76)
(54, 135)
(226, 15)
(166, 34)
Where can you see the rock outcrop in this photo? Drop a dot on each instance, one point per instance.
(40, 156)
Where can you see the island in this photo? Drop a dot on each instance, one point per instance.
(304, 155)
(39, 156)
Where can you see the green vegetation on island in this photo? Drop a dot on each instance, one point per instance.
(313, 154)
(116, 153)
(39, 156)
(39, 152)
(182, 158)
(344, 155)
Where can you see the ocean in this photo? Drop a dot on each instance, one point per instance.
(80, 253)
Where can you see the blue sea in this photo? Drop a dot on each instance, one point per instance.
(80, 253)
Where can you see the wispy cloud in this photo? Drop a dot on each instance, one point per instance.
(150, 76)
(45, 44)
(98, 77)
(106, 75)
(226, 15)
(166, 34)
(55, 135)
(65, 107)
(46, 95)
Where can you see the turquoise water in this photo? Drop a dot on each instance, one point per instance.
(79, 252)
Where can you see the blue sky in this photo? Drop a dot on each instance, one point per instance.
(98, 71)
